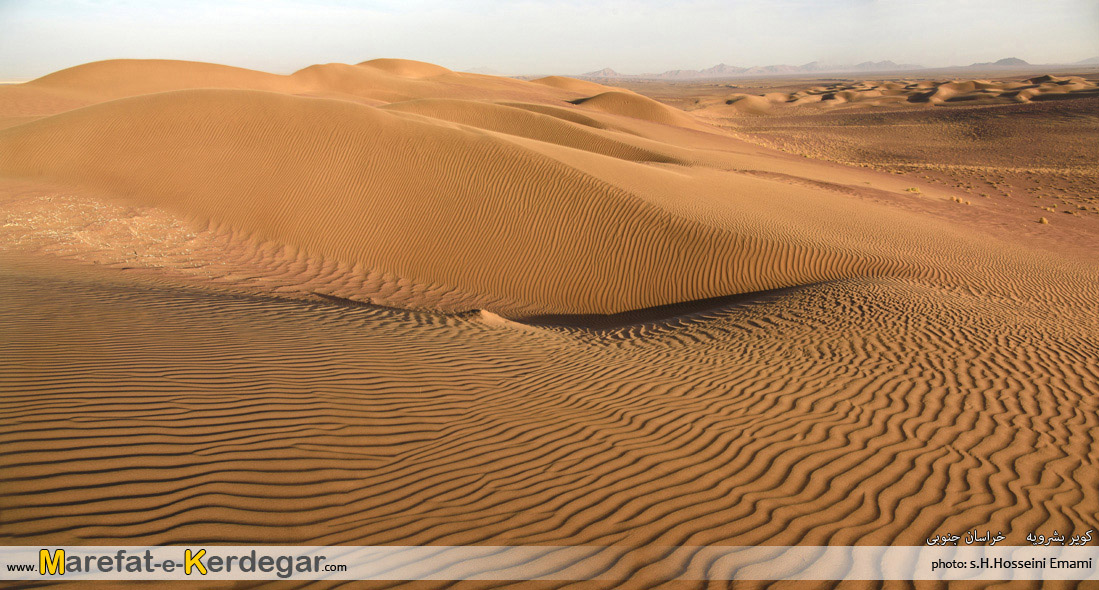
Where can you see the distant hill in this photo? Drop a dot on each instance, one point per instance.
(604, 73)
(885, 66)
(724, 71)
(718, 71)
(721, 70)
(1007, 61)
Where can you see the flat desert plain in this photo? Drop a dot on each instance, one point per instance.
(393, 304)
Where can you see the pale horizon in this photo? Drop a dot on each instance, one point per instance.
(541, 37)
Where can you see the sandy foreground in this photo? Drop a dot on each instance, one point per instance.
(388, 303)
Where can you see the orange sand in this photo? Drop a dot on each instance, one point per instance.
(391, 303)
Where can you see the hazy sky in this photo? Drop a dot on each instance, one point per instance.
(543, 36)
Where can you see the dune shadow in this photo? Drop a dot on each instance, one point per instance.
(657, 315)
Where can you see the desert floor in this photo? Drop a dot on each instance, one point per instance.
(388, 303)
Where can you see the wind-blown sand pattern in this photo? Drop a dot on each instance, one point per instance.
(388, 303)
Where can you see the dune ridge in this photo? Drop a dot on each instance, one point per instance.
(406, 68)
(373, 82)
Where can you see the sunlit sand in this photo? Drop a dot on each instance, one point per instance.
(390, 303)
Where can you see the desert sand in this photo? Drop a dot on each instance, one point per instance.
(389, 303)
(913, 92)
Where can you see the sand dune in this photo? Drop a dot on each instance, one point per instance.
(389, 303)
(746, 103)
(380, 193)
(406, 68)
(521, 228)
(573, 85)
(120, 78)
(374, 81)
(520, 208)
(572, 115)
(878, 93)
(521, 122)
(635, 106)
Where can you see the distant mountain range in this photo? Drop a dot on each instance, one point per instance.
(1007, 62)
(604, 73)
(727, 71)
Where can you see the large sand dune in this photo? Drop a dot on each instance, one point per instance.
(540, 226)
(435, 204)
(373, 81)
(484, 205)
(392, 303)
